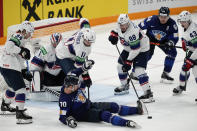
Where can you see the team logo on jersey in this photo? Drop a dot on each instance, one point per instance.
(30, 6)
(158, 34)
(81, 97)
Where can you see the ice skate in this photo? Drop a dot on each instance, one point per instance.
(165, 78)
(147, 97)
(131, 124)
(22, 117)
(6, 109)
(141, 108)
(178, 90)
(121, 90)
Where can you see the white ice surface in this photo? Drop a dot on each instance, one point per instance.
(170, 113)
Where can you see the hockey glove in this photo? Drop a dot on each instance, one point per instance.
(87, 80)
(87, 65)
(26, 74)
(113, 38)
(187, 64)
(127, 66)
(25, 53)
(71, 122)
(170, 44)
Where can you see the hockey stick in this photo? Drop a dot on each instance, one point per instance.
(27, 63)
(129, 80)
(186, 77)
(51, 91)
(153, 43)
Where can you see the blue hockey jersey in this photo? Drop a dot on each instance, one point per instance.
(160, 33)
(75, 104)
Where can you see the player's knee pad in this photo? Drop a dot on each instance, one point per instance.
(106, 116)
(21, 91)
(139, 71)
(119, 68)
(115, 107)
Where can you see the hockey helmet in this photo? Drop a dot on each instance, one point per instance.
(55, 39)
(89, 35)
(71, 80)
(84, 23)
(26, 25)
(184, 16)
(123, 19)
(164, 11)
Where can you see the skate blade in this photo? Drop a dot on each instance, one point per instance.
(22, 121)
(177, 94)
(166, 81)
(121, 93)
(150, 100)
(7, 113)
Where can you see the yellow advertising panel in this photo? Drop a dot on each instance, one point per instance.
(84, 8)
(11, 13)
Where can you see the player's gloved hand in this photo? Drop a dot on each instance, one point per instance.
(87, 80)
(127, 66)
(25, 53)
(113, 38)
(170, 44)
(26, 74)
(87, 65)
(188, 63)
(71, 122)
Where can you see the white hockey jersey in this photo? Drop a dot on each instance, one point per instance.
(73, 48)
(45, 60)
(190, 35)
(133, 40)
(10, 58)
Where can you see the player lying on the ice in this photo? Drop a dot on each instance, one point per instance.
(74, 107)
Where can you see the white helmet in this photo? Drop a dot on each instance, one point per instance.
(184, 16)
(56, 38)
(89, 35)
(84, 23)
(26, 25)
(123, 19)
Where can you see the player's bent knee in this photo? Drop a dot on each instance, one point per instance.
(115, 107)
(106, 116)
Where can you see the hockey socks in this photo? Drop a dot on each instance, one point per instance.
(106, 116)
(20, 101)
(123, 110)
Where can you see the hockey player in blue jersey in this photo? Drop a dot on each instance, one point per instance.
(74, 107)
(162, 31)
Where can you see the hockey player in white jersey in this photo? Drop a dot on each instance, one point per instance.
(13, 70)
(135, 51)
(44, 61)
(73, 52)
(189, 44)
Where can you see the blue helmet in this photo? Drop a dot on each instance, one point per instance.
(71, 80)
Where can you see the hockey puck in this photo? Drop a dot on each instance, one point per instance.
(149, 117)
